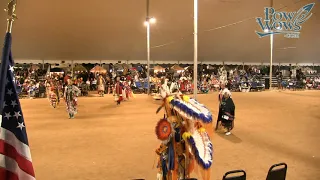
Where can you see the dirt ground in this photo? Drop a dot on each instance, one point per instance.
(109, 142)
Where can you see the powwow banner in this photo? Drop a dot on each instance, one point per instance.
(280, 22)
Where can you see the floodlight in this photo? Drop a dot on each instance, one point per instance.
(152, 20)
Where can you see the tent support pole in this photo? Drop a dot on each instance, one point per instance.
(271, 60)
(72, 68)
(195, 57)
(271, 53)
(148, 47)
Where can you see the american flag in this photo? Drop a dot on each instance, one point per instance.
(15, 156)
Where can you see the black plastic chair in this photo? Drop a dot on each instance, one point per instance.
(276, 172)
(235, 175)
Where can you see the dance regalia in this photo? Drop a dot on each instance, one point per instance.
(183, 85)
(118, 92)
(55, 89)
(70, 95)
(164, 90)
(101, 83)
(228, 113)
(127, 89)
(185, 133)
(65, 79)
(52, 96)
(47, 83)
(221, 99)
(124, 92)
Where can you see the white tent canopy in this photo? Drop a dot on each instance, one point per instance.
(101, 32)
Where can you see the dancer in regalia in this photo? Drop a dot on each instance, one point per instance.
(228, 112)
(185, 135)
(164, 89)
(223, 90)
(55, 87)
(101, 86)
(127, 90)
(71, 93)
(118, 91)
(124, 90)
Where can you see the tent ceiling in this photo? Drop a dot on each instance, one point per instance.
(105, 29)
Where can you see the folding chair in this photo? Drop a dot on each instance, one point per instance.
(276, 172)
(139, 87)
(145, 86)
(241, 175)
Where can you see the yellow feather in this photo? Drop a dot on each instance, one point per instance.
(186, 135)
(202, 130)
(169, 99)
(186, 98)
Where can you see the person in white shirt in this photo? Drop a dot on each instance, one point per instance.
(164, 90)
(94, 84)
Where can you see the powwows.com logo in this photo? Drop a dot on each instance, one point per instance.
(287, 23)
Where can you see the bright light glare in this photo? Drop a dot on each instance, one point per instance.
(266, 30)
(152, 20)
(279, 28)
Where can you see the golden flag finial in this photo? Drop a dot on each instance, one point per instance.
(11, 14)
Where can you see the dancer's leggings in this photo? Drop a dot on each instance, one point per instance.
(58, 95)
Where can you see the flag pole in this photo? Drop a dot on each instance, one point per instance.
(11, 8)
(14, 130)
(6, 50)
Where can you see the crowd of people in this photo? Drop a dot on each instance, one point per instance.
(33, 82)
(68, 86)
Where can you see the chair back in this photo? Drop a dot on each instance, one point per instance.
(235, 175)
(277, 172)
(138, 84)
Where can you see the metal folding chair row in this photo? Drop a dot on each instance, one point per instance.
(276, 172)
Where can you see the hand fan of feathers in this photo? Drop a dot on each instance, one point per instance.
(163, 129)
(201, 146)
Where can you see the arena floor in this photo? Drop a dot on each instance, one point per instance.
(109, 142)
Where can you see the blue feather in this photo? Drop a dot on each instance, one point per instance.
(205, 165)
